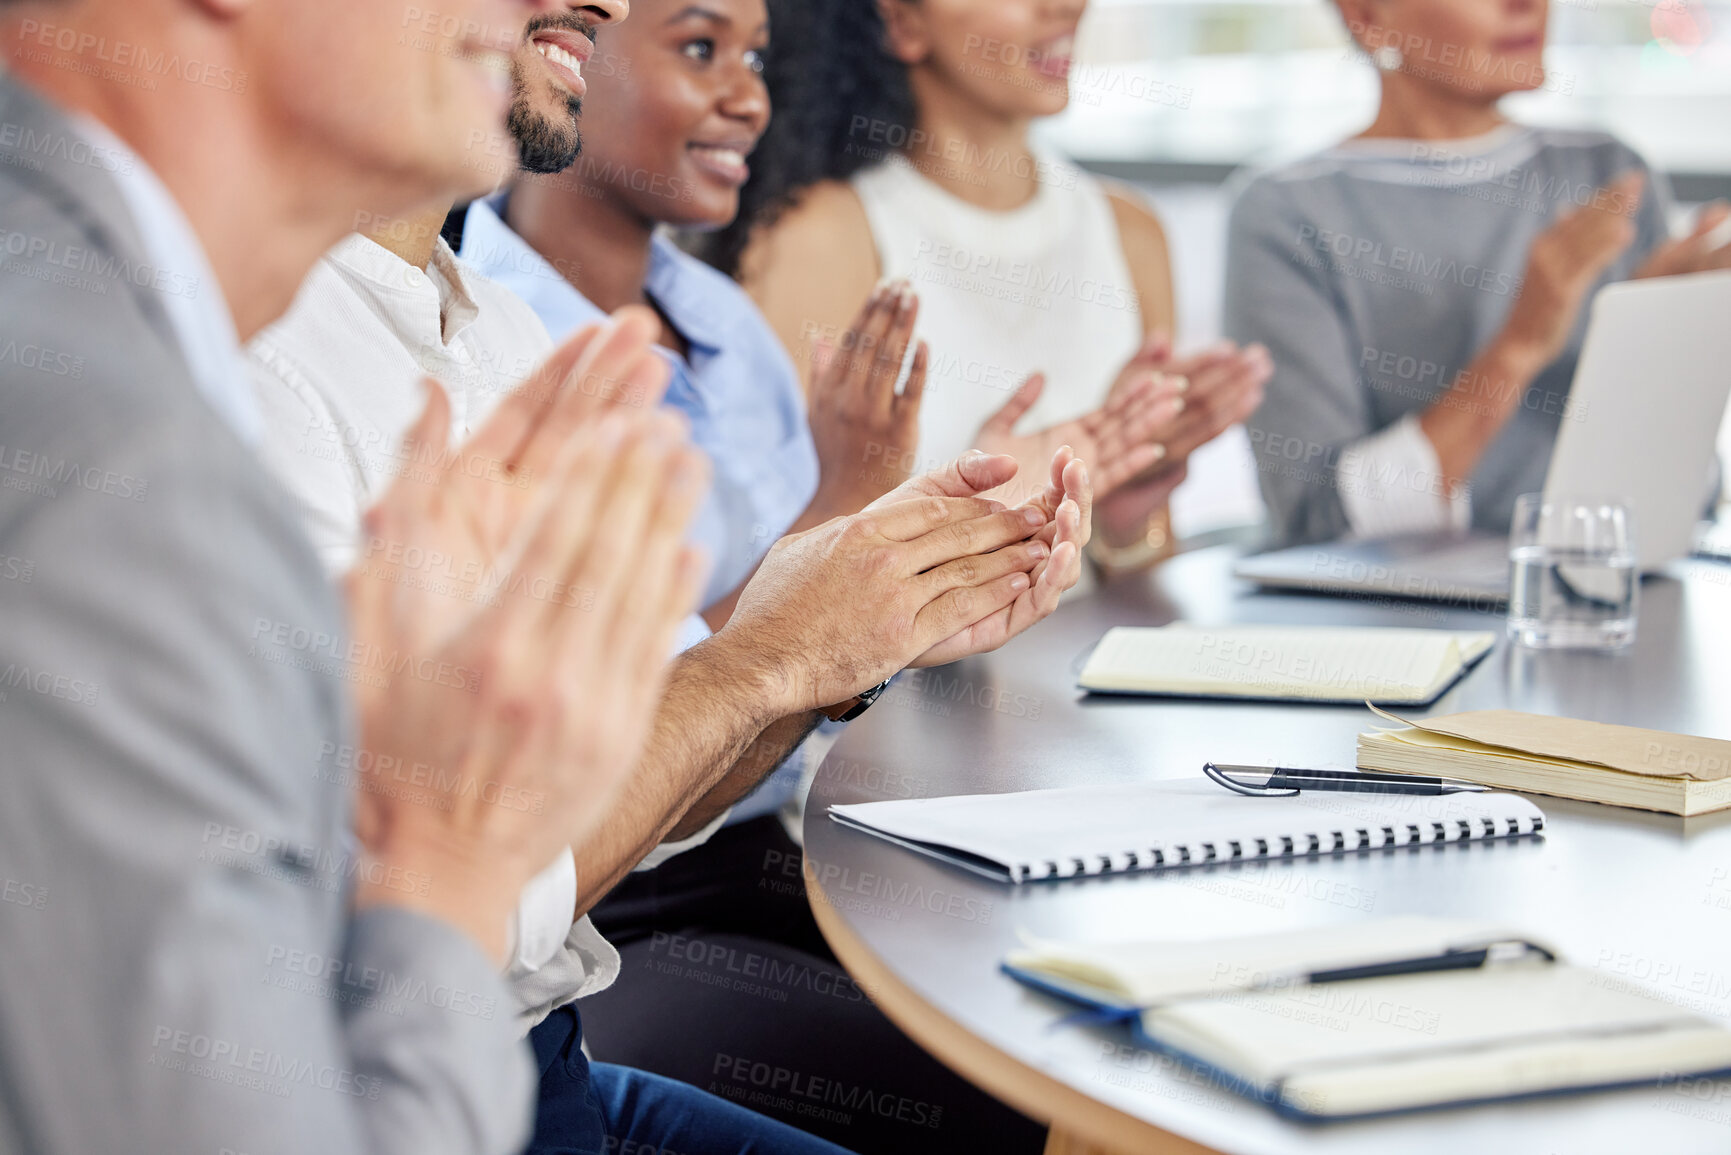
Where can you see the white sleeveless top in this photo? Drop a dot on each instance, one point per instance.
(1043, 287)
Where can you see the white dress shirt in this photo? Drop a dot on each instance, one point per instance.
(338, 380)
(338, 375)
(199, 314)
(1391, 482)
(191, 295)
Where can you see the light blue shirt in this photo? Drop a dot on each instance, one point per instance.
(737, 386)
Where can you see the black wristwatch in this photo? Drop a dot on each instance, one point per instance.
(852, 708)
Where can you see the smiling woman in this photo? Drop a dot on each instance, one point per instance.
(676, 105)
(1048, 302)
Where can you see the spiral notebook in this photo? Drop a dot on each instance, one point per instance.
(1080, 830)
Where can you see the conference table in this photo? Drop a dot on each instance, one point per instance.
(1641, 898)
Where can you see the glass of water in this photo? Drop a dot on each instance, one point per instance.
(1572, 575)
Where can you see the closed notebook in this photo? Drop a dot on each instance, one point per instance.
(1302, 663)
(1080, 830)
(1480, 1014)
(1592, 761)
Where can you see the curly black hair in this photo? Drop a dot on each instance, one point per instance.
(828, 73)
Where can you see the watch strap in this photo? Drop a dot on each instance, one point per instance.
(852, 708)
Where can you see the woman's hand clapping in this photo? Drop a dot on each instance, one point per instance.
(867, 432)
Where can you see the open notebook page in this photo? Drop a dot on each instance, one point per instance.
(1326, 664)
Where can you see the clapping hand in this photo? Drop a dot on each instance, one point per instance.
(1705, 248)
(1224, 385)
(1120, 440)
(866, 432)
(499, 473)
(1563, 264)
(928, 573)
(1063, 505)
(523, 672)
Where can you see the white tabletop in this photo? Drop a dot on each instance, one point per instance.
(1628, 894)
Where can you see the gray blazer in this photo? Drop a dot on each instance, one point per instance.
(179, 967)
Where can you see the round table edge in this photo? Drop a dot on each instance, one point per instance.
(1028, 1089)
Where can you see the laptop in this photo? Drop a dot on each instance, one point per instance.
(1644, 413)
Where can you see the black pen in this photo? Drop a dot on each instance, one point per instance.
(1276, 781)
(1452, 959)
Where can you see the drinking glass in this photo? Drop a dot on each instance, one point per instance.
(1572, 575)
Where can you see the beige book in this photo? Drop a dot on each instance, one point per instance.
(1306, 663)
(1564, 757)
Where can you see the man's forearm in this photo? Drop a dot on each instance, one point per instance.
(709, 737)
(756, 762)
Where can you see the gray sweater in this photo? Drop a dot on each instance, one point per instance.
(1375, 271)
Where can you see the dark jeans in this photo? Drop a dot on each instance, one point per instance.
(602, 1109)
(727, 985)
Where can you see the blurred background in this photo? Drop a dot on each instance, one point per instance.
(1176, 95)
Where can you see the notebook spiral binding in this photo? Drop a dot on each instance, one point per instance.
(1315, 844)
